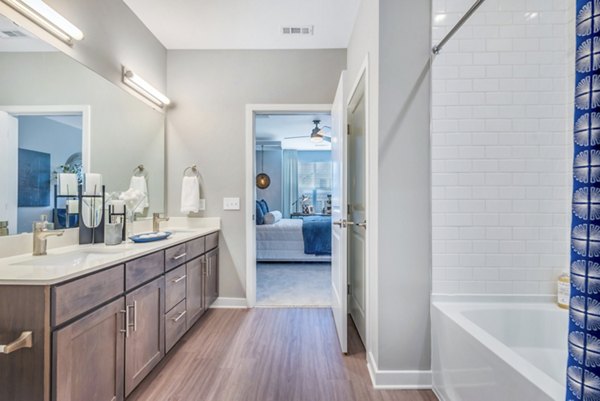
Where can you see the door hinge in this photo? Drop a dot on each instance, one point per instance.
(348, 130)
(349, 289)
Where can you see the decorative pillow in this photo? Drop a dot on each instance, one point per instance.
(264, 206)
(260, 215)
(272, 217)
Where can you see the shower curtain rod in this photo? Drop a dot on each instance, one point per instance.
(437, 48)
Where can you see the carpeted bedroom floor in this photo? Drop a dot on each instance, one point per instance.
(293, 284)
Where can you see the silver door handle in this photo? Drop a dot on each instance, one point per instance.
(182, 314)
(125, 312)
(134, 315)
(183, 255)
(178, 279)
(341, 223)
(25, 340)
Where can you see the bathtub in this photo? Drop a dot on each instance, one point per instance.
(499, 351)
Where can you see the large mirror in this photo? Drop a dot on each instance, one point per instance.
(57, 116)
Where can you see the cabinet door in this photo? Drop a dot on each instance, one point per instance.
(195, 290)
(88, 356)
(145, 342)
(212, 277)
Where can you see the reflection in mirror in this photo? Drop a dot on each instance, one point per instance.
(58, 117)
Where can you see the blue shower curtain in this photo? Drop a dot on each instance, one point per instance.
(583, 371)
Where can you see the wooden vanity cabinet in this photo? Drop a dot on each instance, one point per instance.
(144, 341)
(96, 337)
(211, 282)
(89, 356)
(195, 290)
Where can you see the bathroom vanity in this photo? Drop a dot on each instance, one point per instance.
(101, 318)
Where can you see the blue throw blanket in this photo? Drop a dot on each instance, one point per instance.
(316, 231)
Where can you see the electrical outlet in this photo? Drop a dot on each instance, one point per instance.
(231, 203)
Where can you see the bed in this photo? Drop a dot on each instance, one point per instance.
(289, 240)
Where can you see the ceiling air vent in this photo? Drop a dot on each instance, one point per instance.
(12, 34)
(297, 30)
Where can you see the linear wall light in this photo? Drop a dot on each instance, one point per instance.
(47, 18)
(141, 86)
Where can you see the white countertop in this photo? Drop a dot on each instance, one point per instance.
(69, 262)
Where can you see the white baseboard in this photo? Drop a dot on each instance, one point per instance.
(229, 303)
(398, 379)
(438, 394)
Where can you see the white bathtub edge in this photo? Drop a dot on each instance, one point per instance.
(398, 379)
(494, 298)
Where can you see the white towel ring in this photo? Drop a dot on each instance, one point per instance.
(192, 169)
(140, 171)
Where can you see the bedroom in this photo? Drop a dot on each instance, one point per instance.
(293, 210)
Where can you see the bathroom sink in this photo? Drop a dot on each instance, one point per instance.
(73, 258)
(180, 230)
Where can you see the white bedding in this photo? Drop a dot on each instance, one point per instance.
(283, 242)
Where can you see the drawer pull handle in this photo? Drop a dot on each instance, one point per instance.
(182, 314)
(178, 279)
(25, 340)
(183, 255)
(125, 313)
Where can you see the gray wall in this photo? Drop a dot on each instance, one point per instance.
(114, 36)
(404, 191)
(396, 37)
(207, 126)
(273, 166)
(44, 135)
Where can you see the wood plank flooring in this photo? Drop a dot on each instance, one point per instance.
(266, 355)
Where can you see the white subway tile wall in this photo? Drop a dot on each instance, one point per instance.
(501, 146)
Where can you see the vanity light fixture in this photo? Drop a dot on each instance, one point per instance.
(141, 86)
(47, 18)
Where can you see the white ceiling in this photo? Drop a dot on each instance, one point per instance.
(27, 43)
(247, 24)
(291, 131)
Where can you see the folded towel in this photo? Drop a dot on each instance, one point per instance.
(72, 206)
(141, 185)
(67, 184)
(92, 184)
(190, 195)
(273, 217)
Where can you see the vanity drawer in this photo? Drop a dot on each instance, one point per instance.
(195, 248)
(144, 269)
(175, 256)
(76, 297)
(175, 325)
(212, 241)
(176, 283)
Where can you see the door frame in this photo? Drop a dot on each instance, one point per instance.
(250, 151)
(371, 188)
(48, 110)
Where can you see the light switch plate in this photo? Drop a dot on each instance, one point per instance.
(202, 204)
(231, 203)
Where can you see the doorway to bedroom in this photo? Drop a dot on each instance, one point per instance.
(293, 174)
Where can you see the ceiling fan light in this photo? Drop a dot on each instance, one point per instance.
(316, 138)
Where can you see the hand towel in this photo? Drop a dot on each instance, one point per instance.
(190, 195)
(92, 184)
(140, 184)
(67, 184)
(72, 206)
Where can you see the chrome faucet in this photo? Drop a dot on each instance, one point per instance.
(156, 219)
(41, 234)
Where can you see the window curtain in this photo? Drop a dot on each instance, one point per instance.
(583, 371)
(290, 182)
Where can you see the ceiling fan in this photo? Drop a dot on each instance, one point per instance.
(317, 135)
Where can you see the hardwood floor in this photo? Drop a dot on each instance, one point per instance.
(266, 355)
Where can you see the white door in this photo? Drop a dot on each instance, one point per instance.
(357, 207)
(339, 244)
(9, 144)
